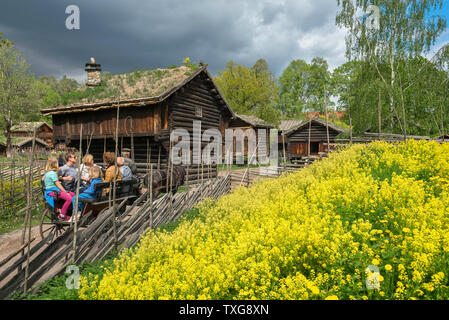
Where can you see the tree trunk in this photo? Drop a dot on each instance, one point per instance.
(8, 138)
(393, 74)
(392, 82)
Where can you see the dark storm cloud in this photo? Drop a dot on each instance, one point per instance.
(128, 35)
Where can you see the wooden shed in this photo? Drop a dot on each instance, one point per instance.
(245, 122)
(24, 144)
(152, 104)
(294, 137)
(26, 129)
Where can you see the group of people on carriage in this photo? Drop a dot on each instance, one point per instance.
(60, 180)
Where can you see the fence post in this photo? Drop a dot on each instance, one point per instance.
(75, 209)
(12, 180)
(171, 181)
(1, 183)
(29, 213)
(150, 185)
(116, 172)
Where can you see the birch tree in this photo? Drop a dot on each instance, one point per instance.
(401, 29)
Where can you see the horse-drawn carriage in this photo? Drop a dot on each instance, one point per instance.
(51, 227)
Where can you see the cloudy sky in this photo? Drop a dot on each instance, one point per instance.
(144, 34)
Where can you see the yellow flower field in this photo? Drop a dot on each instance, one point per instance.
(308, 235)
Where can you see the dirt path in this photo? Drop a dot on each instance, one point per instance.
(12, 241)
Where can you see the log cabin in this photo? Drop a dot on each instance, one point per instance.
(294, 137)
(245, 122)
(24, 144)
(152, 103)
(26, 129)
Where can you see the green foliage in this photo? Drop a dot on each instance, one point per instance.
(187, 63)
(88, 93)
(188, 215)
(131, 80)
(159, 74)
(407, 29)
(52, 89)
(19, 94)
(424, 88)
(293, 89)
(56, 289)
(250, 91)
(11, 222)
(303, 87)
(106, 76)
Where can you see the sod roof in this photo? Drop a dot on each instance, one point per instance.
(253, 120)
(154, 85)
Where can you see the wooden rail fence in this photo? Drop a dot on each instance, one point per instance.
(25, 268)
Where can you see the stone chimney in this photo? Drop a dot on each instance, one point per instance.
(93, 73)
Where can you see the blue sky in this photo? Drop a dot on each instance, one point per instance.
(444, 38)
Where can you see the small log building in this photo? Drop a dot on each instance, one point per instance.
(245, 122)
(22, 144)
(152, 104)
(295, 135)
(26, 129)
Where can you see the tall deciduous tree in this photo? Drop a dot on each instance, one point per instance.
(18, 93)
(293, 88)
(424, 99)
(304, 86)
(405, 29)
(251, 91)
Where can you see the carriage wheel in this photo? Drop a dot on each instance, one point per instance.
(50, 228)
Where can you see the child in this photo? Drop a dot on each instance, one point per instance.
(88, 162)
(53, 184)
(90, 193)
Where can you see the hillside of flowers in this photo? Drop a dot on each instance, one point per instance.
(316, 234)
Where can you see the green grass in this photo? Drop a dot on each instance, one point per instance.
(55, 288)
(10, 222)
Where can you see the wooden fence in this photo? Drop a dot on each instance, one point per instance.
(246, 177)
(32, 264)
(13, 186)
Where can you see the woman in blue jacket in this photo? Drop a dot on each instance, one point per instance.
(90, 193)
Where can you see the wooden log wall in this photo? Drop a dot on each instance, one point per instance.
(98, 146)
(197, 95)
(317, 133)
(142, 120)
(195, 173)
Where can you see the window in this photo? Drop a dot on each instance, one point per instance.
(199, 112)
